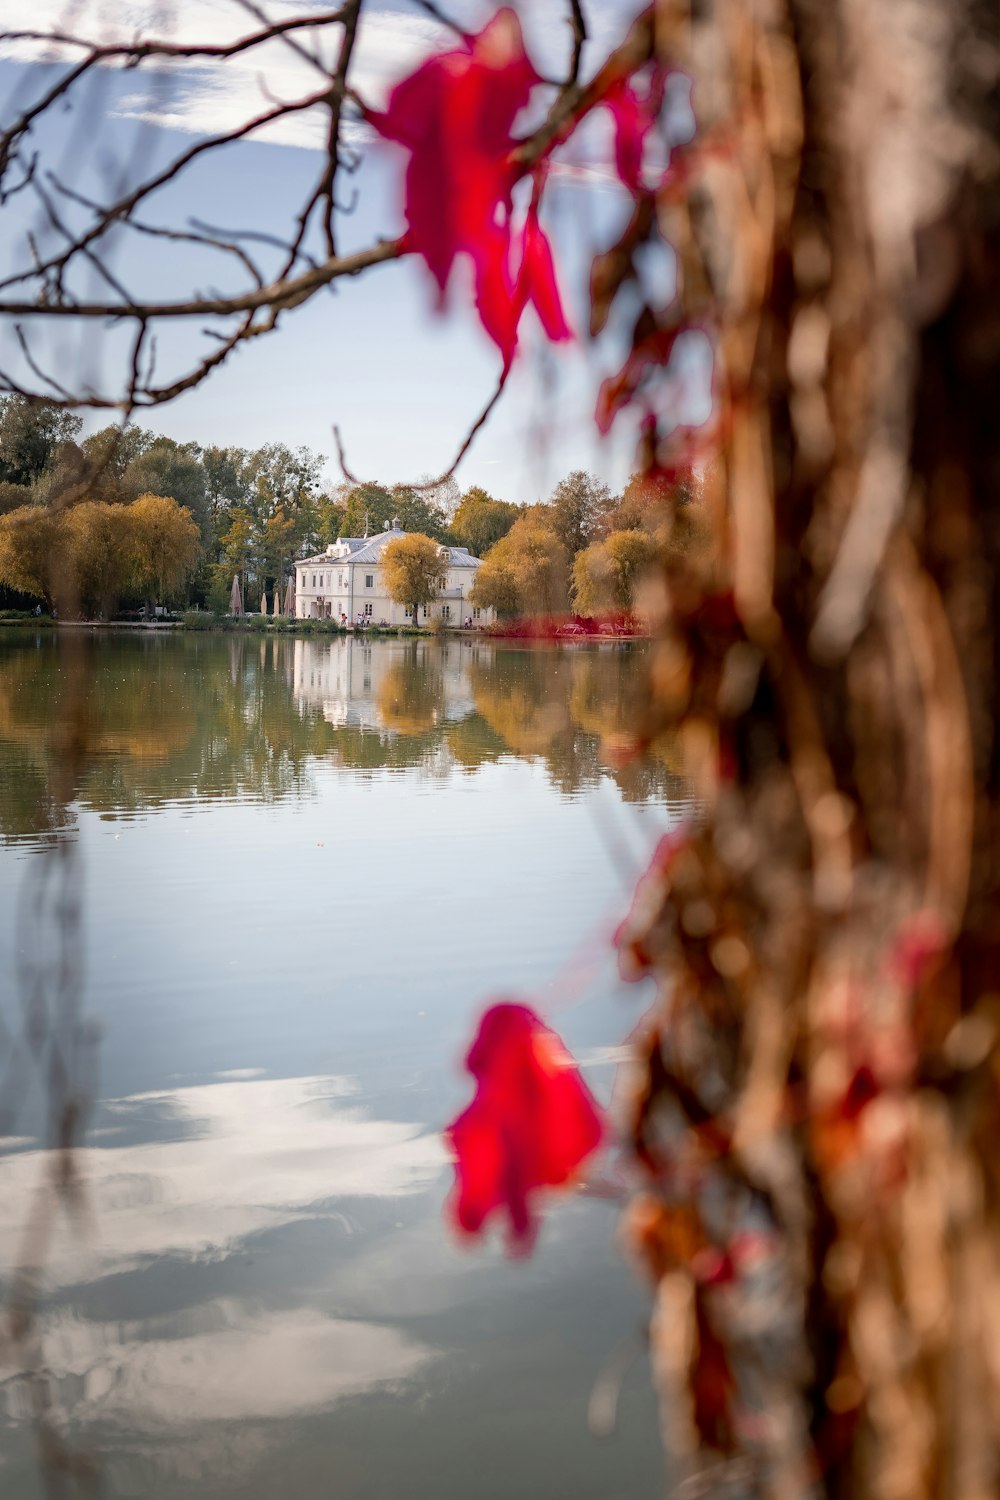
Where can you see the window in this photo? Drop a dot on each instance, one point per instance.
(427, 611)
(368, 610)
(369, 580)
(314, 580)
(408, 613)
(446, 611)
(476, 613)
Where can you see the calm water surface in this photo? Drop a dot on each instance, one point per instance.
(304, 865)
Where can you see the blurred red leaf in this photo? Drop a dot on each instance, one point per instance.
(454, 116)
(531, 1124)
(633, 116)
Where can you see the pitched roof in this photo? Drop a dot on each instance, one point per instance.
(370, 551)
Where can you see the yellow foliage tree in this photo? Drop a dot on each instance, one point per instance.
(605, 573)
(526, 573)
(412, 567)
(166, 545)
(99, 546)
(29, 554)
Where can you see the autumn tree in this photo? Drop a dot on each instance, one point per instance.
(480, 521)
(100, 546)
(167, 545)
(413, 567)
(813, 1102)
(605, 573)
(30, 559)
(526, 572)
(645, 501)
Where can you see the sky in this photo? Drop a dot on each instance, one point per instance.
(401, 382)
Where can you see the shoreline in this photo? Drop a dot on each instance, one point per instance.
(251, 626)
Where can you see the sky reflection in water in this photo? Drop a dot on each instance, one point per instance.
(307, 865)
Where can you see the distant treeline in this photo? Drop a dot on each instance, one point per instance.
(79, 528)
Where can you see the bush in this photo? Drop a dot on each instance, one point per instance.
(201, 619)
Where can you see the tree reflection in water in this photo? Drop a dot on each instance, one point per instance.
(189, 718)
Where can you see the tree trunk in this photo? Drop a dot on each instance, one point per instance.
(817, 1103)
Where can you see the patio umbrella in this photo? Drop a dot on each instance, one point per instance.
(276, 606)
(235, 598)
(289, 609)
(263, 601)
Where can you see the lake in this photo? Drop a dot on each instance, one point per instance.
(255, 894)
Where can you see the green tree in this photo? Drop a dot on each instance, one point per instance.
(525, 573)
(30, 431)
(578, 505)
(368, 508)
(412, 567)
(605, 573)
(238, 552)
(416, 511)
(111, 449)
(480, 521)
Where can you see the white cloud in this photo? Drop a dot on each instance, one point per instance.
(209, 97)
(253, 1154)
(241, 1364)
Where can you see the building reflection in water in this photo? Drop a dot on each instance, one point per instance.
(404, 687)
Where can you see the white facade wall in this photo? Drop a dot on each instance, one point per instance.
(335, 586)
(344, 677)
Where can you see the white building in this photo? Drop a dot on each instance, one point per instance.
(345, 583)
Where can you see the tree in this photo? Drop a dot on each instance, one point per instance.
(167, 545)
(647, 500)
(578, 505)
(30, 558)
(525, 573)
(480, 521)
(172, 471)
(113, 448)
(30, 431)
(370, 508)
(415, 511)
(825, 940)
(605, 573)
(99, 543)
(412, 567)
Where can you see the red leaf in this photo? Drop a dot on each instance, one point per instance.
(454, 116)
(632, 121)
(538, 279)
(531, 1124)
